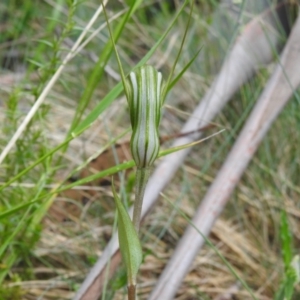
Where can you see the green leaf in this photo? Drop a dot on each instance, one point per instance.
(15, 209)
(184, 146)
(286, 240)
(174, 81)
(179, 52)
(291, 270)
(36, 63)
(290, 281)
(99, 109)
(291, 278)
(129, 242)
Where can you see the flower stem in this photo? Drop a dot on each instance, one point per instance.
(131, 292)
(141, 179)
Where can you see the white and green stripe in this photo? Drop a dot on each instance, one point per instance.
(145, 86)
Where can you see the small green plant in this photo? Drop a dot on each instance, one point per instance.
(145, 91)
(11, 293)
(291, 264)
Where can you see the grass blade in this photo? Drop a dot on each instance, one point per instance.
(129, 242)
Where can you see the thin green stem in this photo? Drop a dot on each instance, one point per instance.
(141, 179)
(179, 52)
